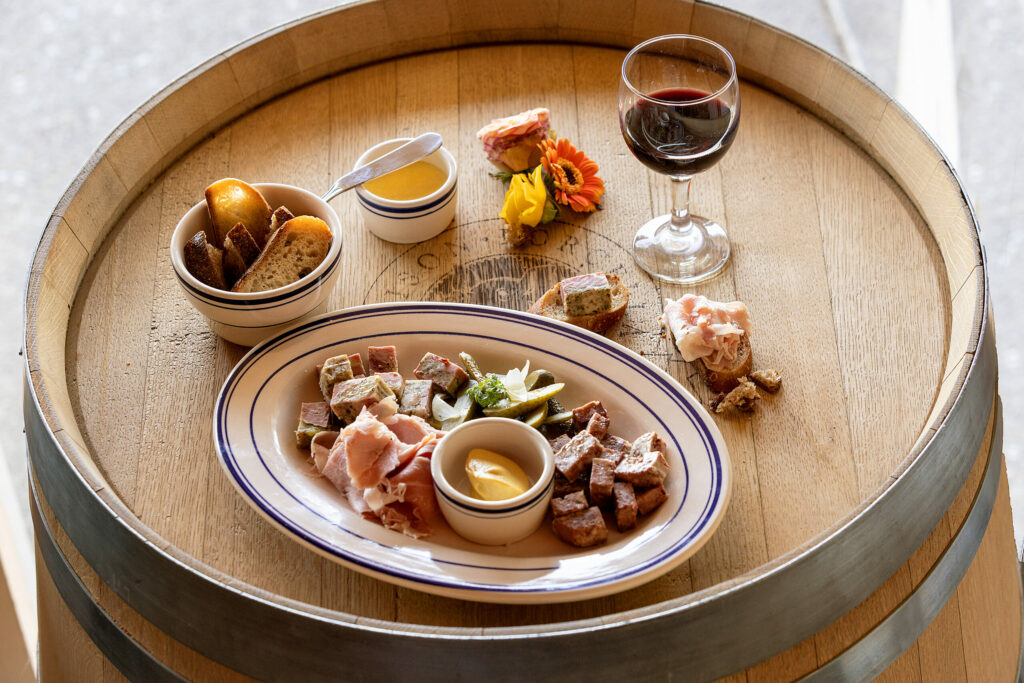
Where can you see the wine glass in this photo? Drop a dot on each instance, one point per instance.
(679, 107)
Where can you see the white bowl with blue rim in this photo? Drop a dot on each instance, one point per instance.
(247, 318)
(493, 522)
(411, 220)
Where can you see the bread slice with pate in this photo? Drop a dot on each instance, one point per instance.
(586, 301)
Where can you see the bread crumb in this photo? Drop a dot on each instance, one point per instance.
(743, 398)
(769, 380)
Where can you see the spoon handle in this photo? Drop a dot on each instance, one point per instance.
(414, 150)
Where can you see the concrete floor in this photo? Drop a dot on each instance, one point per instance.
(71, 71)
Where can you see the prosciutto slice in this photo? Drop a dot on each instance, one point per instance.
(411, 429)
(706, 329)
(373, 451)
(336, 471)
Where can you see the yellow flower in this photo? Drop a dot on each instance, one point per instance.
(524, 204)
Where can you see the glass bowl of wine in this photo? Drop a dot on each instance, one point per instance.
(679, 110)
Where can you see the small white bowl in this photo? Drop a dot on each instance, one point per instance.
(412, 220)
(496, 522)
(250, 317)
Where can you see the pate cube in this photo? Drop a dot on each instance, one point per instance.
(648, 442)
(335, 369)
(642, 469)
(586, 294)
(357, 365)
(394, 381)
(626, 507)
(318, 413)
(382, 358)
(581, 529)
(563, 487)
(558, 442)
(616, 444)
(648, 499)
(598, 425)
(416, 397)
(445, 374)
(568, 504)
(576, 455)
(581, 415)
(602, 479)
(352, 395)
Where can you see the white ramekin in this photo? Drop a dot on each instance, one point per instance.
(248, 318)
(502, 521)
(413, 220)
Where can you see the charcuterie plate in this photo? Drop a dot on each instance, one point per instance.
(256, 413)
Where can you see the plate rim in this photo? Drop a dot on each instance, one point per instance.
(461, 588)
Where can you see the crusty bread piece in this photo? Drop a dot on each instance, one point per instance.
(550, 306)
(240, 252)
(726, 379)
(231, 201)
(280, 216)
(293, 252)
(204, 261)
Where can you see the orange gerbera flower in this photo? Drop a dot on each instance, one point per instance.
(575, 176)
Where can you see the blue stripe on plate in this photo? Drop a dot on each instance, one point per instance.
(599, 344)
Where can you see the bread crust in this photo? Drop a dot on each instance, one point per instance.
(232, 201)
(278, 254)
(550, 306)
(726, 379)
(204, 261)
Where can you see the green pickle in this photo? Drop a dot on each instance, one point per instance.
(536, 418)
(466, 406)
(558, 418)
(472, 368)
(534, 399)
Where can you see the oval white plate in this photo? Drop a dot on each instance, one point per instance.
(257, 410)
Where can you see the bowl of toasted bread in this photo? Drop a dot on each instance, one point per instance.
(254, 259)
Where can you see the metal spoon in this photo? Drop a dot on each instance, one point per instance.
(414, 150)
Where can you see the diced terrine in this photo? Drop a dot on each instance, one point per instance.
(642, 469)
(382, 359)
(352, 395)
(568, 504)
(575, 456)
(357, 365)
(581, 415)
(648, 442)
(394, 381)
(648, 499)
(625, 505)
(586, 295)
(598, 425)
(602, 479)
(442, 372)
(581, 529)
(416, 397)
(335, 369)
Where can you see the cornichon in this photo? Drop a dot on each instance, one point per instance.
(539, 379)
(558, 418)
(536, 418)
(534, 399)
(472, 367)
(466, 407)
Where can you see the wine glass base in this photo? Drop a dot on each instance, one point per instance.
(699, 256)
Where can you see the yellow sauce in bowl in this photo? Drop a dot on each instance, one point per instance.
(494, 477)
(416, 180)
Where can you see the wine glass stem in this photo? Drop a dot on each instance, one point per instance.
(684, 233)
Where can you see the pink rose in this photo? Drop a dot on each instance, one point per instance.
(511, 142)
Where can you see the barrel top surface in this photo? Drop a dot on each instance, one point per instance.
(836, 265)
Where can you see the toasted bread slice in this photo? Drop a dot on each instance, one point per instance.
(550, 306)
(204, 261)
(230, 202)
(280, 216)
(726, 379)
(299, 246)
(240, 252)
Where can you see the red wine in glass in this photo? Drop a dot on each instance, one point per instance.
(679, 131)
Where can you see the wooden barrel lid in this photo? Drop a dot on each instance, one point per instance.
(853, 247)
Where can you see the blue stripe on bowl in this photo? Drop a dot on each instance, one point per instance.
(391, 216)
(411, 209)
(495, 512)
(367, 313)
(263, 303)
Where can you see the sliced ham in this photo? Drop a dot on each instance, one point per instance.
(419, 487)
(706, 329)
(373, 451)
(336, 471)
(411, 428)
(320, 448)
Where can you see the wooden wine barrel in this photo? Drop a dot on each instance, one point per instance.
(869, 530)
